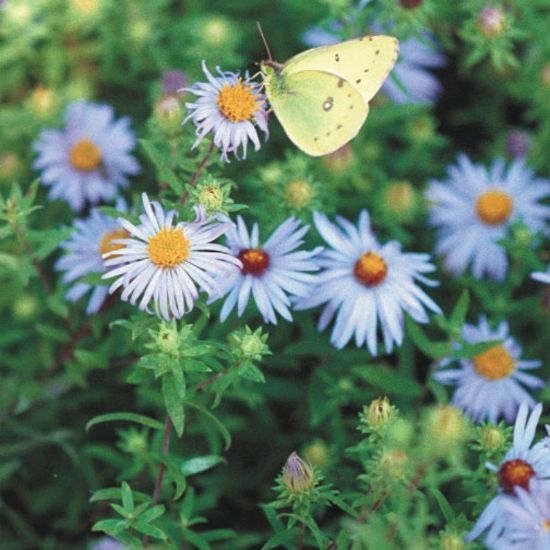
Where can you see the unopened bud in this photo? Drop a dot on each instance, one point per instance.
(446, 425)
(9, 166)
(216, 31)
(491, 21)
(298, 476)
(518, 143)
(318, 454)
(168, 340)
(168, 113)
(43, 101)
(340, 159)
(400, 199)
(211, 196)
(545, 75)
(379, 412)
(410, 4)
(173, 81)
(298, 193)
(451, 541)
(394, 463)
(491, 439)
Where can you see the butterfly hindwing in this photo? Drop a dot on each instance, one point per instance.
(319, 111)
(364, 62)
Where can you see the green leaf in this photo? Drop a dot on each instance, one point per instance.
(390, 381)
(114, 493)
(173, 403)
(164, 173)
(469, 350)
(446, 509)
(109, 526)
(126, 416)
(200, 464)
(221, 427)
(7, 469)
(153, 513)
(149, 530)
(127, 497)
(458, 316)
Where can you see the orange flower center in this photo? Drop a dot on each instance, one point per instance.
(370, 269)
(494, 207)
(168, 247)
(255, 261)
(85, 155)
(494, 364)
(107, 244)
(546, 525)
(237, 102)
(514, 473)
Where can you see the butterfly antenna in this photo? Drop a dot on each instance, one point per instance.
(260, 30)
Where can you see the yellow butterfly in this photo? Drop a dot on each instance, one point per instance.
(321, 96)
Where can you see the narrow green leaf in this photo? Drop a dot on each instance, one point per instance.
(128, 417)
(446, 509)
(221, 427)
(200, 464)
(173, 403)
(390, 381)
(458, 316)
(127, 497)
(149, 530)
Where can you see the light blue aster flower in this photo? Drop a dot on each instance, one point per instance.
(367, 285)
(229, 107)
(89, 160)
(541, 276)
(91, 238)
(522, 467)
(489, 386)
(269, 273)
(474, 208)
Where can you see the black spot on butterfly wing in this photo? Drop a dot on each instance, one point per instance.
(340, 82)
(336, 57)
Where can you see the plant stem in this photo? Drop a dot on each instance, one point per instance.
(162, 467)
(198, 171)
(35, 262)
(301, 536)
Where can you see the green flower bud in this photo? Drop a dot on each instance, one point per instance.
(211, 196)
(168, 113)
(217, 31)
(43, 102)
(298, 193)
(25, 307)
(400, 199)
(394, 463)
(298, 476)
(10, 165)
(491, 21)
(318, 454)
(378, 413)
(339, 160)
(168, 340)
(491, 439)
(249, 345)
(451, 541)
(446, 426)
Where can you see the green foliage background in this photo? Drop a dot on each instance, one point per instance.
(390, 488)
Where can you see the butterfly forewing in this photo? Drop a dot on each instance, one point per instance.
(319, 111)
(363, 62)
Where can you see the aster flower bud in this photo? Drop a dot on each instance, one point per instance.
(400, 199)
(378, 413)
(518, 143)
(298, 476)
(446, 425)
(168, 340)
(545, 75)
(173, 81)
(249, 345)
(491, 439)
(43, 101)
(317, 453)
(10, 164)
(339, 160)
(217, 31)
(491, 21)
(394, 463)
(168, 113)
(451, 541)
(298, 193)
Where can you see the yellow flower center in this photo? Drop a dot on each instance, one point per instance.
(107, 244)
(494, 364)
(237, 102)
(494, 207)
(168, 247)
(85, 155)
(370, 269)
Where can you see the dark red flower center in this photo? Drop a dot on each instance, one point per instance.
(255, 261)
